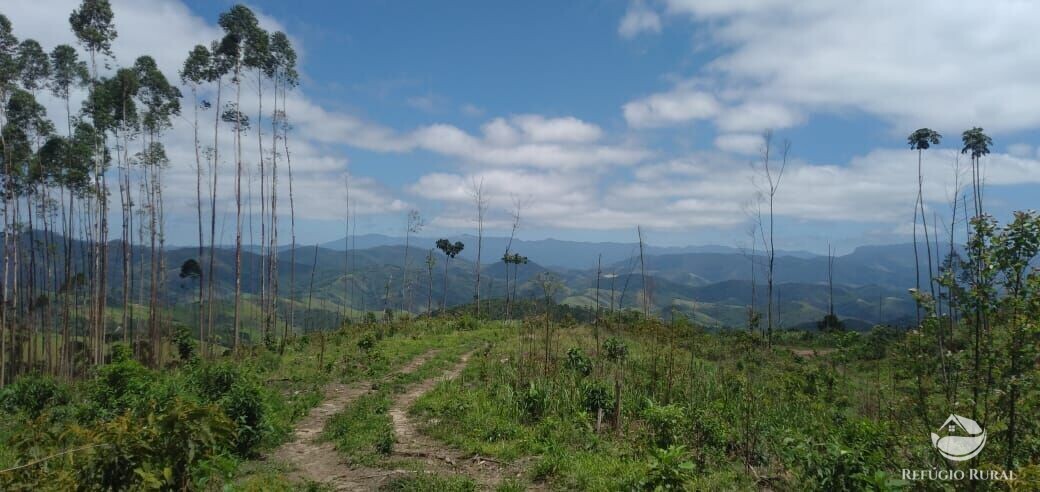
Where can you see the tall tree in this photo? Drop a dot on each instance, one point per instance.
(921, 140)
(241, 47)
(92, 24)
(976, 144)
(35, 69)
(8, 75)
(160, 101)
(220, 66)
(480, 200)
(67, 72)
(195, 72)
(773, 174)
(413, 225)
(450, 251)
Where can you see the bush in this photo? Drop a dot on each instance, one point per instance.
(665, 422)
(616, 350)
(367, 343)
(578, 361)
(33, 394)
(534, 402)
(158, 451)
(595, 397)
(245, 407)
(669, 469)
(241, 399)
(121, 386)
(185, 344)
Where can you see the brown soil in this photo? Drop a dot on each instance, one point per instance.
(320, 462)
(317, 461)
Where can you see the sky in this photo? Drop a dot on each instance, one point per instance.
(601, 116)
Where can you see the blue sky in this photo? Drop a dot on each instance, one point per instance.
(603, 115)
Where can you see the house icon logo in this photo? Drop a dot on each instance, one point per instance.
(963, 441)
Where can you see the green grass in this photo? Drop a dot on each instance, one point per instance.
(426, 482)
(363, 431)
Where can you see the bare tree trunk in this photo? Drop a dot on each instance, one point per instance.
(213, 216)
(642, 272)
(481, 203)
(238, 209)
(198, 209)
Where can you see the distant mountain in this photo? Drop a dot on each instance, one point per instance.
(713, 288)
(550, 252)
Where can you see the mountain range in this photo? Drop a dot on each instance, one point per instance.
(711, 284)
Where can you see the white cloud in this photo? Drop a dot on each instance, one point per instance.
(740, 143)
(669, 108)
(1021, 150)
(910, 64)
(167, 30)
(639, 19)
(528, 140)
(472, 110)
(757, 117)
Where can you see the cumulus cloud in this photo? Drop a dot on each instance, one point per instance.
(740, 143)
(639, 19)
(669, 108)
(528, 140)
(167, 30)
(910, 64)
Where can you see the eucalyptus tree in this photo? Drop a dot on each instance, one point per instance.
(240, 47)
(773, 174)
(506, 257)
(67, 72)
(921, 140)
(8, 74)
(414, 224)
(480, 200)
(160, 101)
(450, 251)
(259, 59)
(283, 62)
(26, 125)
(112, 104)
(430, 263)
(34, 74)
(219, 67)
(976, 143)
(195, 72)
(93, 27)
(514, 259)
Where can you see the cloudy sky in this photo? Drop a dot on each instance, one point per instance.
(603, 115)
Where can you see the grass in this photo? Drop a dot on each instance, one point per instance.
(363, 431)
(712, 411)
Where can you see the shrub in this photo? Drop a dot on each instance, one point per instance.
(157, 451)
(33, 394)
(213, 380)
(366, 343)
(616, 349)
(665, 422)
(241, 399)
(578, 361)
(244, 405)
(669, 469)
(595, 397)
(120, 386)
(534, 402)
(185, 344)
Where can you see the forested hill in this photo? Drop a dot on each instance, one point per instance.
(713, 287)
